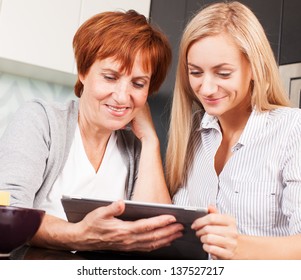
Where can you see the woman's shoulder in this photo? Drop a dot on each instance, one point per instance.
(289, 110)
(38, 114)
(39, 106)
(286, 117)
(52, 106)
(40, 109)
(286, 113)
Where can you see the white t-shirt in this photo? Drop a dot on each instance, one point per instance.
(78, 177)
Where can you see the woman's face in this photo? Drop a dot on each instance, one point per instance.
(112, 98)
(219, 75)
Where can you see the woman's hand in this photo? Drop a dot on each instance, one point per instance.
(143, 126)
(100, 230)
(218, 233)
(150, 185)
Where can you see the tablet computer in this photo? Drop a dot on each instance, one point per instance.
(186, 247)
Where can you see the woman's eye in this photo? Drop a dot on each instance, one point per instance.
(138, 85)
(224, 74)
(110, 77)
(195, 72)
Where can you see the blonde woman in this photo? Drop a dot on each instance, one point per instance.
(234, 143)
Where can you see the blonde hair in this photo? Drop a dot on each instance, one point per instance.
(239, 22)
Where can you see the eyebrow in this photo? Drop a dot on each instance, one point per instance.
(118, 73)
(142, 77)
(215, 67)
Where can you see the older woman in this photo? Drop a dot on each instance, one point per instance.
(86, 148)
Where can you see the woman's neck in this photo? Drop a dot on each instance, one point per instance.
(234, 121)
(232, 126)
(94, 141)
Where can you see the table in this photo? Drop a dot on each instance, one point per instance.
(35, 253)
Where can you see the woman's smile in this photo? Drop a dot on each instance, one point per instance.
(118, 111)
(213, 101)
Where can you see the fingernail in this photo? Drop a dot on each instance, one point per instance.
(172, 220)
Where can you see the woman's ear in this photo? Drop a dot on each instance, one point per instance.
(81, 78)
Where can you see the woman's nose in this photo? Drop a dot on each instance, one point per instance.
(121, 93)
(208, 86)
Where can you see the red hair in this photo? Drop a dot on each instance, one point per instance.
(122, 35)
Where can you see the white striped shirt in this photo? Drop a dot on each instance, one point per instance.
(260, 185)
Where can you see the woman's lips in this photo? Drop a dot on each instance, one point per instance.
(117, 110)
(213, 100)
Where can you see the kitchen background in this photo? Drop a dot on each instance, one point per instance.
(36, 59)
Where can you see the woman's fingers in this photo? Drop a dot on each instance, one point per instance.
(169, 231)
(213, 219)
(152, 242)
(104, 231)
(149, 224)
(114, 209)
(219, 235)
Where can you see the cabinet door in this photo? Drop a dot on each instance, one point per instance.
(290, 51)
(39, 32)
(91, 7)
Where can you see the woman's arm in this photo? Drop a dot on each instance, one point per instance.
(100, 230)
(150, 185)
(269, 248)
(24, 151)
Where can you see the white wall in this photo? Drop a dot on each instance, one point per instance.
(15, 90)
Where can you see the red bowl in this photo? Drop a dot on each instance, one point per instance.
(17, 226)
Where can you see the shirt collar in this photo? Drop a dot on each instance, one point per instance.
(256, 124)
(208, 122)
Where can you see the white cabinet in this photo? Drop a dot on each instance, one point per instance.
(39, 32)
(36, 35)
(91, 7)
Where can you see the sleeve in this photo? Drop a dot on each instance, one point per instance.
(130, 149)
(24, 150)
(292, 178)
